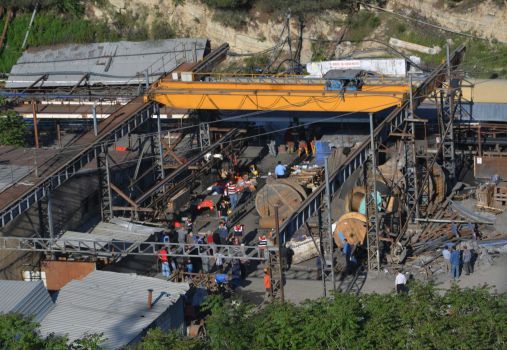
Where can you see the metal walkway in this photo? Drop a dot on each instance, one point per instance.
(116, 249)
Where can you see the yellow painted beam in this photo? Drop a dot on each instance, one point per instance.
(274, 96)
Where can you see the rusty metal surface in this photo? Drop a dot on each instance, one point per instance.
(487, 166)
(59, 273)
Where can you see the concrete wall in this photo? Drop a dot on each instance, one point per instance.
(73, 203)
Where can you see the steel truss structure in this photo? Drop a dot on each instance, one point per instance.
(116, 249)
(71, 167)
(391, 124)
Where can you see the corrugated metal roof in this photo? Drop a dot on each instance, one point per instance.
(111, 303)
(26, 298)
(117, 230)
(109, 63)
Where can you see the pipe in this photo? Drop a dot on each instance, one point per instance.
(150, 298)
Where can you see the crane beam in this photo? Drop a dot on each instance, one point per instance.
(274, 96)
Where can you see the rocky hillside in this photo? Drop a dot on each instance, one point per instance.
(251, 26)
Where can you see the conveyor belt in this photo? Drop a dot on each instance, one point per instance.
(357, 158)
(19, 198)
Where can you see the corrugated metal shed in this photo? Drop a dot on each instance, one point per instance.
(26, 298)
(109, 63)
(114, 304)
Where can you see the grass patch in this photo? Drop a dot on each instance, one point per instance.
(483, 59)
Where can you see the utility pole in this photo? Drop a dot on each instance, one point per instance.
(35, 124)
(280, 260)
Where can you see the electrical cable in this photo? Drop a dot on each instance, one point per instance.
(420, 21)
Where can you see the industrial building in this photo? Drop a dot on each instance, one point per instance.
(238, 168)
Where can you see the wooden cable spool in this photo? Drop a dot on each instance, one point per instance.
(353, 227)
(282, 193)
(439, 187)
(355, 199)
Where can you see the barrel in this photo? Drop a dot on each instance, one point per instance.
(322, 150)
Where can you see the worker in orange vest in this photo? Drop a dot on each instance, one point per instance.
(267, 285)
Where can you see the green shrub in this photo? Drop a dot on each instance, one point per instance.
(230, 18)
(12, 129)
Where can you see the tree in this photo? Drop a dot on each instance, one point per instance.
(12, 129)
(426, 318)
(156, 339)
(18, 332)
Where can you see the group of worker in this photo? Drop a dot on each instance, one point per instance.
(457, 261)
(304, 148)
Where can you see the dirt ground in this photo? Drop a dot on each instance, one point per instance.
(296, 291)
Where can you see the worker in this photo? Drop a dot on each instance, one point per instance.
(253, 170)
(232, 193)
(267, 285)
(446, 254)
(290, 147)
(455, 263)
(263, 242)
(455, 229)
(238, 231)
(303, 147)
(223, 208)
(313, 147)
(347, 251)
(400, 282)
(467, 261)
(272, 148)
(280, 170)
(163, 256)
(223, 232)
(189, 266)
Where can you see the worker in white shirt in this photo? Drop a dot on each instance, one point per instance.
(400, 282)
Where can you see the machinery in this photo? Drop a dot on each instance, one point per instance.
(344, 80)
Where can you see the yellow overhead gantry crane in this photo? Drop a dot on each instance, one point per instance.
(292, 93)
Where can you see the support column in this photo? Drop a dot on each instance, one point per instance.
(280, 258)
(372, 205)
(329, 222)
(204, 137)
(94, 114)
(51, 227)
(160, 147)
(105, 186)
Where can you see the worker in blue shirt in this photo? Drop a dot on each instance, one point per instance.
(347, 250)
(280, 170)
(455, 263)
